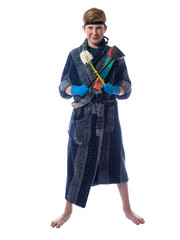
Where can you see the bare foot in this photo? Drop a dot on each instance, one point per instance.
(61, 220)
(134, 217)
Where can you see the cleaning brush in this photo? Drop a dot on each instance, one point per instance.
(86, 57)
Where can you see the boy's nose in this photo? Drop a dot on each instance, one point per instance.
(94, 31)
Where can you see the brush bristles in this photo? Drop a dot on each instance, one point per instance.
(86, 56)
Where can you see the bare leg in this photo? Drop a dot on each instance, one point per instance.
(123, 189)
(64, 217)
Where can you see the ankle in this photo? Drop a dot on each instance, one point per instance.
(127, 209)
(68, 211)
(68, 208)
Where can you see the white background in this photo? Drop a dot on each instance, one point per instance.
(36, 37)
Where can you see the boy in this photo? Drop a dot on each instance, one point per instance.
(95, 148)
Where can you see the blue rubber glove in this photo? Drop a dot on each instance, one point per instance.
(111, 89)
(80, 90)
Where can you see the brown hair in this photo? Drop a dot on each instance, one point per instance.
(94, 14)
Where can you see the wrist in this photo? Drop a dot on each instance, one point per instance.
(122, 91)
(68, 90)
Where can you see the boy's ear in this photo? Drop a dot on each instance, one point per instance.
(83, 27)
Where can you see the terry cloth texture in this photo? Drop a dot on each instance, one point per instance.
(95, 149)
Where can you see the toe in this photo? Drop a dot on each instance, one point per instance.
(53, 224)
(136, 221)
(58, 225)
(142, 220)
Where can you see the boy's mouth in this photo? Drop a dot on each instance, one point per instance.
(95, 38)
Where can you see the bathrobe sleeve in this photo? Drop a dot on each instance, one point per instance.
(69, 77)
(122, 79)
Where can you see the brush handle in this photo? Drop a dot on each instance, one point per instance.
(102, 69)
(96, 72)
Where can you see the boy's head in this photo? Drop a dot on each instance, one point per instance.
(94, 15)
(94, 26)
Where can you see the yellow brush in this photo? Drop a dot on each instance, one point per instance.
(86, 57)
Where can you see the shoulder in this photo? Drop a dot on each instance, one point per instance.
(76, 51)
(121, 62)
(73, 54)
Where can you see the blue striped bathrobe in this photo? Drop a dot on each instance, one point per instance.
(95, 147)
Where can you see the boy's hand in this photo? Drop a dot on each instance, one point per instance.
(111, 90)
(80, 90)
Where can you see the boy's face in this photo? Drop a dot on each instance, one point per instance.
(94, 34)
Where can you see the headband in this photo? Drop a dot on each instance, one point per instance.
(94, 23)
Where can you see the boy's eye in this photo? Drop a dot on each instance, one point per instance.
(90, 28)
(97, 28)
